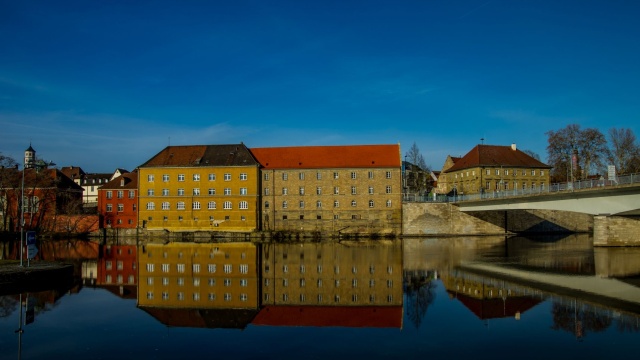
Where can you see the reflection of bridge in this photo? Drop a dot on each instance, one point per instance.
(605, 291)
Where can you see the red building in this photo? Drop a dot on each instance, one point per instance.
(117, 265)
(118, 202)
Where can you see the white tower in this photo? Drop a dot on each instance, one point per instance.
(29, 158)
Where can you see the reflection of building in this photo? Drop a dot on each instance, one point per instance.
(489, 168)
(488, 300)
(322, 316)
(117, 265)
(201, 276)
(347, 189)
(207, 187)
(332, 274)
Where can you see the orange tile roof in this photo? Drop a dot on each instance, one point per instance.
(315, 157)
(495, 155)
(130, 181)
(322, 316)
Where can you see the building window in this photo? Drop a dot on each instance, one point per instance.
(243, 176)
(370, 174)
(388, 175)
(266, 176)
(284, 205)
(120, 207)
(336, 190)
(336, 204)
(284, 191)
(244, 269)
(318, 176)
(266, 204)
(319, 204)
(196, 191)
(150, 178)
(353, 175)
(301, 190)
(212, 191)
(388, 189)
(370, 190)
(180, 177)
(211, 268)
(227, 177)
(388, 203)
(165, 192)
(151, 206)
(227, 205)
(301, 204)
(212, 177)
(488, 172)
(196, 205)
(180, 205)
(506, 172)
(109, 194)
(371, 203)
(149, 192)
(244, 205)
(120, 194)
(132, 194)
(487, 185)
(166, 206)
(497, 171)
(353, 203)
(227, 191)
(301, 176)
(211, 205)
(533, 172)
(319, 190)
(109, 207)
(196, 177)
(353, 190)
(541, 172)
(180, 268)
(335, 175)
(285, 176)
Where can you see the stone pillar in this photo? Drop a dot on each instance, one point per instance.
(616, 230)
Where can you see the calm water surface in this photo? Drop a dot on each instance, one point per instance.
(460, 297)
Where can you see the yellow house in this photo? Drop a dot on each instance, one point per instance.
(490, 168)
(200, 188)
(188, 275)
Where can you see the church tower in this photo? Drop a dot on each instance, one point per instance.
(29, 158)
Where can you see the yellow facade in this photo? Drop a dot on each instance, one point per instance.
(486, 179)
(332, 274)
(187, 275)
(199, 198)
(356, 200)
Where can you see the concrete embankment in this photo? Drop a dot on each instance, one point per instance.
(35, 276)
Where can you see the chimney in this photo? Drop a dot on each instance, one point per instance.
(513, 147)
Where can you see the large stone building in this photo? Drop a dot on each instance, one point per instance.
(200, 188)
(331, 189)
(492, 168)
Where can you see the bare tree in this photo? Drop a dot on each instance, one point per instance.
(8, 183)
(624, 151)
(415, 157)
(588, 148)
(532, 153)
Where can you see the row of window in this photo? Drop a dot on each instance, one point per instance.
(120, 194)
(119, 221)
(196, 192)
(319, 283)
(196, 296)
(120, 207)
(336, 298)
(505, 172)
(120, 280)
(336, 204)
(196, 205)
(336, 190)
(336, 268)
(196, 219)
(196, 177)
(505, 185)
(195, 268)
(196, 281)
(336, 175)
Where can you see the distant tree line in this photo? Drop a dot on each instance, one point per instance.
(577, 153)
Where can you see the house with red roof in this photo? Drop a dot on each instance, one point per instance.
(350, 189)
(118, 202)
(493, 168)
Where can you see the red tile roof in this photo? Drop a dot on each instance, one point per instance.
(494, 155)
(315, 157)
(321, 316)
(130, 182)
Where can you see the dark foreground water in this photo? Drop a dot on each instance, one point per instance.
(480, 298)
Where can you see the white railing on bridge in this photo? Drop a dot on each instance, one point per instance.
(553, 188)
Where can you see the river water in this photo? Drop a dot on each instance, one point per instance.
(473, 297)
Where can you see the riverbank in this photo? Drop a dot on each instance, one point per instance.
(37, 276)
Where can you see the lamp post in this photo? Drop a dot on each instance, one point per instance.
(22, 213)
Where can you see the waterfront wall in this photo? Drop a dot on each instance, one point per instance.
(616, 230)
(437, 219)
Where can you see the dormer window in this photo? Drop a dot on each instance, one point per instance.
(121, 182)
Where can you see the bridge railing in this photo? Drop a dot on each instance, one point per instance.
(553, 188)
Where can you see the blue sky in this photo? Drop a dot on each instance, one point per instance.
(107, 84)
